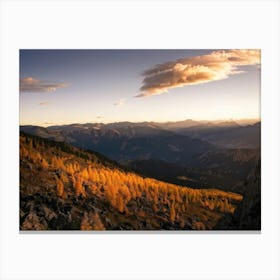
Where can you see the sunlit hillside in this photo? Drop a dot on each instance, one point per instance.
(63, 187)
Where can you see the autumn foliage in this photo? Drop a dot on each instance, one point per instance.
(83, 176)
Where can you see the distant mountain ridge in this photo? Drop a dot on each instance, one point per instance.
(126, 141)
(232, 136)
(199, 154)
(224, 133)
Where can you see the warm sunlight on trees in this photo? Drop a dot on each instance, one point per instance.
(60, 187)
(78, 185)
(125, 192)
(57, 163)
(44, 164)
(172, 213)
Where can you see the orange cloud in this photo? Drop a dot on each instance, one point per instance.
(215, 66)
(30, 84)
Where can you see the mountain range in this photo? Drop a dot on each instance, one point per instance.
(193, 153)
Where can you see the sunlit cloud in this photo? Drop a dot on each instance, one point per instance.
(31, 84)
(120, 102)
(43, 103)
(217, 65)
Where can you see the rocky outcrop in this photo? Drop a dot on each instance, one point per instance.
(247, 215)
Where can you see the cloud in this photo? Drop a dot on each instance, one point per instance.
(43, 103)
(217, 65)
(99, 117)
(30, 84)
(120, 102)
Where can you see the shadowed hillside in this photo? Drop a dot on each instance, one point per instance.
(228, 135)
(248, 213)
(224, 169)
(158, 150)
(66, 188)
(126, 141)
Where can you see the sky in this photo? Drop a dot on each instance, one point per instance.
(81, 86)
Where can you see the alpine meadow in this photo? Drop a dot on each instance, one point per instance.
(142, 140)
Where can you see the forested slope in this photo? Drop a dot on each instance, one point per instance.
(66, 188)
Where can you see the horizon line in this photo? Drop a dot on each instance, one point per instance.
(147, 121)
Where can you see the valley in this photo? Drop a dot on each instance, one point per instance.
(139, 139)
(165, 151)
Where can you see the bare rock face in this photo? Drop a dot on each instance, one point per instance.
(247, 215)
(48, 213)
(91, 221)
(33, 222)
